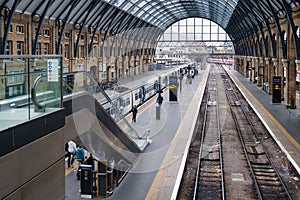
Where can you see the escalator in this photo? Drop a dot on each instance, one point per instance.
(32, 149)
(101, 134)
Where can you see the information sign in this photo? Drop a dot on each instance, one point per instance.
(52, 70)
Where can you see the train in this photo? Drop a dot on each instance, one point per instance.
(225, 61)
(122, 97)
(139, 93)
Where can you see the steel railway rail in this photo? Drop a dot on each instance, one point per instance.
(266, 178)
(209, 183)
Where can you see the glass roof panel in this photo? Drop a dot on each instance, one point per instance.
(219, 11)
(232, 15)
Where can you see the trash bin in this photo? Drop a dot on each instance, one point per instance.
(86, 181)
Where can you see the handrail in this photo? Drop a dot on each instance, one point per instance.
(98, 88)
(33, 92)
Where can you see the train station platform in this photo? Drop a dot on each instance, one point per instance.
(155, 172)
(282, 123)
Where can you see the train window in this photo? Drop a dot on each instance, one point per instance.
(127, 102)
(122, 102)
(136, 96)
(112, 111)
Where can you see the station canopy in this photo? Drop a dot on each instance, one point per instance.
(236, 17)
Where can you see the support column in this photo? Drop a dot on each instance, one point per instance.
(108, 69)
(135, 66)
(122, 59)
(280, 71)
(297, 62)
(260, 78)
(131, 65)
(151, 58)
(238, 64)
(256, 63)
(265, 71)
(276, 66)
(270, 74)
(250, 68)
(147, 59)
(141, 65)
(126, 65)
(252, 74)
(274, 69)
(285, 63)
(291, 84)
(116, 77)
(241, 66)
(245, 65)
(104, 68)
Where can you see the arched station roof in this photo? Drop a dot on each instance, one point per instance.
(237, 17)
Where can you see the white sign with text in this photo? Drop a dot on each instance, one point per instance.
(52, 69)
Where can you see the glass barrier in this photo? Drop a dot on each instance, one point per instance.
(30, 86)
(83, 81)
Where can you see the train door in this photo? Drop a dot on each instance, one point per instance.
(115, 113)
(142, 94)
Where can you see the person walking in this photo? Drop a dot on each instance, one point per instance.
(134, 113)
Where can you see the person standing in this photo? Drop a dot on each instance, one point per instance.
(134, 113)
(79, 154)
(71, 152)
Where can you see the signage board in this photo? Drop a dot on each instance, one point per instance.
(52, 70)
(276, 86)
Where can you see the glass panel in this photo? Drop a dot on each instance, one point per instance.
(198, 29)
(175, 36)
(190, 36)
(30, 86)
(198, 36)
(214, 37)
(167, 37)
(222, 37)
(206, 29)
(198, 21)
(214, 29)
(201, 30)
(83, 82)
(206, 37)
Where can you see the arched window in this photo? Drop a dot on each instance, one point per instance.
(196, 32)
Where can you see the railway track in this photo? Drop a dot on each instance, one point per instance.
(209, 183)
(228, 155)
(266, 178)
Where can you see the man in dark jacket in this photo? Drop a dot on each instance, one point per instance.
(134, 113)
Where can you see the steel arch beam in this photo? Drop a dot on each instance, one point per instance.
(6, 26)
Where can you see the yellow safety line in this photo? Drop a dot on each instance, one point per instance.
(284, 131)
(161, 172)
(69, 170)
